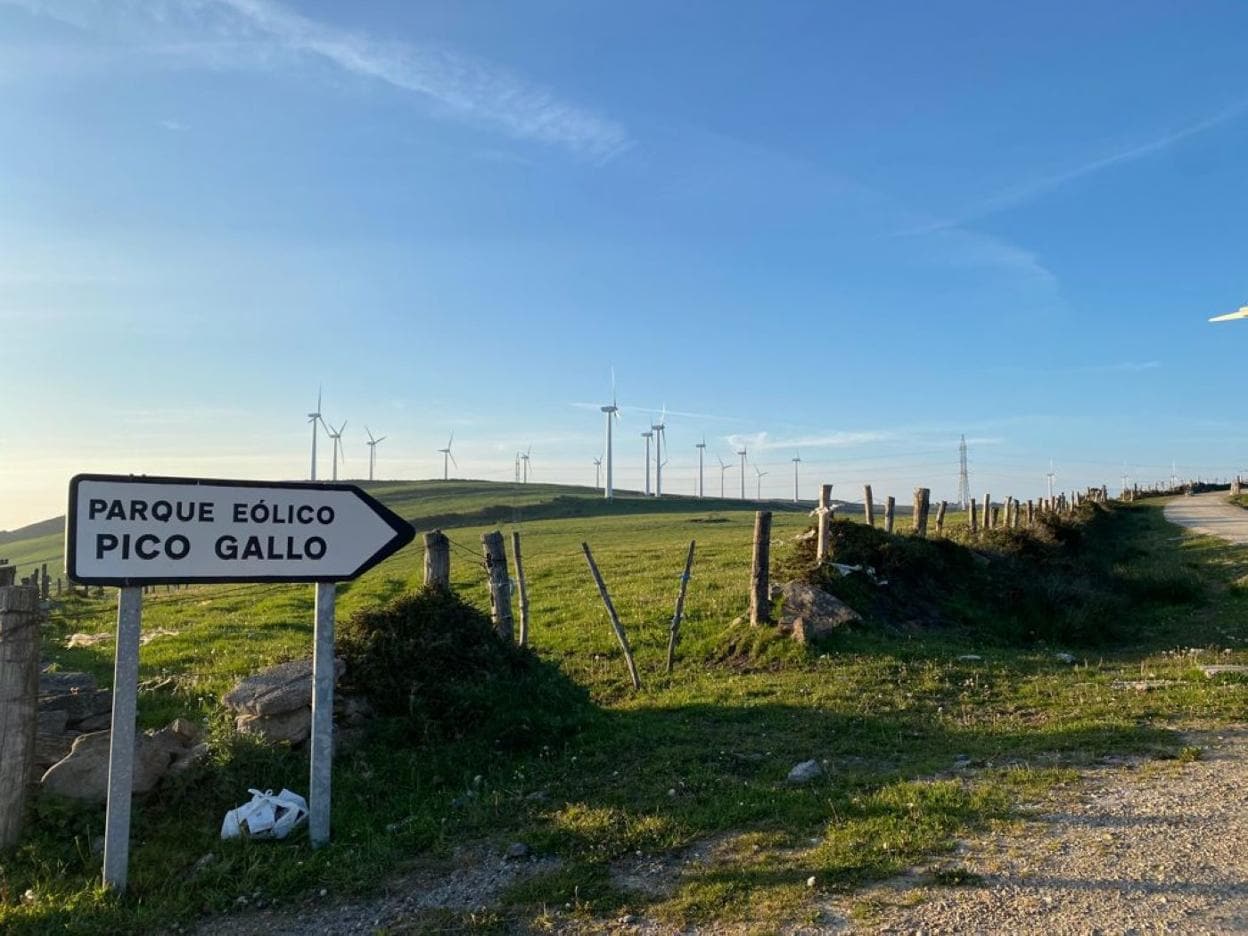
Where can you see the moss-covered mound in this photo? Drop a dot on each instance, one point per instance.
(1064, 579)
(432, 664)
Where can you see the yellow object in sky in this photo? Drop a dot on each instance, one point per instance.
(1241, 312)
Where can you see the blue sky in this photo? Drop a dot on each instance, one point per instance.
(857, 230)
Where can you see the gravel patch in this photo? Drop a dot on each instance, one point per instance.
(1158, 850)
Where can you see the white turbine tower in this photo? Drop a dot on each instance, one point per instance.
(597, 473)
(659, 429)
(336, 435)
(524, 460)
(742, 454)
(611, 411)
(724, 468)
(759, 493)
(797, 460)
(1052, 477)
(446, 454)
(701, 447)
(315, 418)
(648, 435)
(372, 451)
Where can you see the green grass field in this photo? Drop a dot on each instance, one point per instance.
(920, 744)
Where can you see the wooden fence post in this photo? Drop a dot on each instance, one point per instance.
(973, 518)
(524, 589)
(987, 512)
(940, 518)
(19, 700)
(922, 504)
(437, 560)
(890, 507)
(45, 587)
(868, 505)
(1031, 513)
(620, 635)
(674, 634)
(824, 514)
(760, 570)
(500, 584)
(8, 574)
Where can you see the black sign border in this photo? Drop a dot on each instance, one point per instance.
(404, 531)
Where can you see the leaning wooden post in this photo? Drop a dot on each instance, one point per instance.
(674, 634)
(940, 518)
(972, 517)
(45, 582)
(437, 560)
(890, 507)
(760, 570)
(19, 700)
(500, 584)
(868, 505)
(824, 514)
(524, 589)
(615, 618)
(922, 503)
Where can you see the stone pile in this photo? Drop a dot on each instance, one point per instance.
(276, 703)
(72, 739)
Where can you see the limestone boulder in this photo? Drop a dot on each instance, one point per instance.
(276, 690)
(811, 614)
(293, 727)
(83, 773)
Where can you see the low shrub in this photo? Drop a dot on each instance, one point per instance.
(434, 664)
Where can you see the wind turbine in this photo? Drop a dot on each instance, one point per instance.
(597, 473)
(1052, 477)
(797, 460)
(372, 451)
(524, 459)
(648, 435)
(336, 435)
(315, 418)
(724, 468)
(742, 454)
(1240, 313)
(610, 411)
(446, 454)
(659, 430)
(759, 493)
(701, 447)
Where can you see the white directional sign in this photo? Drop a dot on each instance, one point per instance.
(125, 531)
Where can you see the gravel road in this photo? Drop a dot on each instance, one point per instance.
(1157, 849)
(1210, 514)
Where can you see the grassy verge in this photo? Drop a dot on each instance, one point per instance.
(924, 733)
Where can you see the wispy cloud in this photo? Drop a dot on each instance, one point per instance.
(264, 33)
(763, 442)
(1040, 185)
(174, 126)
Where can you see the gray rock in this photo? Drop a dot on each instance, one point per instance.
(56, 682)
(96, 722)
(811, 614)
(1223, 669)
(805, 772)
(517, 850)
(78, 705)
(276, 690)
(83, 773)
(1064, 657)
(292, 727)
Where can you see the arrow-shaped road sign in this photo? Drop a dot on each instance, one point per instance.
(125, 530)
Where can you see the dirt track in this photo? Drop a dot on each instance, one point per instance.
(1210, 514)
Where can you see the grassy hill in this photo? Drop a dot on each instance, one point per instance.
(924, 734)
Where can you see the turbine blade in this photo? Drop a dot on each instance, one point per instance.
(452, 457)
(1241, 312)
(451, 439)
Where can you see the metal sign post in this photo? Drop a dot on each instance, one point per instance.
(132, 531)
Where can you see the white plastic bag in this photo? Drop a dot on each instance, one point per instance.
(266, 816)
